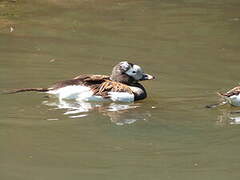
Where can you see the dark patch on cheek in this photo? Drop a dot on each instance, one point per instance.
(131, 64)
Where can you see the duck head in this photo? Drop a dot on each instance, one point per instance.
(129, 73)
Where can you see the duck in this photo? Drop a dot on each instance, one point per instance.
(122, 85)
(231, 97)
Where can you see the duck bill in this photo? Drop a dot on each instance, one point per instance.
(147, 77)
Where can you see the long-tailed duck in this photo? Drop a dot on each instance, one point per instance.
(232, 97)
(122, 85)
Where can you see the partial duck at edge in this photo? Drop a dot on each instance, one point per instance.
(231, 97)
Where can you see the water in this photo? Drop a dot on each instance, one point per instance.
(191, 46)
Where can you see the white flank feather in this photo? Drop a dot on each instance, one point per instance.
(234, 100)
(72, 92)
(121, 96)
(83, 93)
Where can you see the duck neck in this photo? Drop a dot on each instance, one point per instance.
(122, 78)
(138, 91)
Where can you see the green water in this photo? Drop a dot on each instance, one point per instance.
(191, 46)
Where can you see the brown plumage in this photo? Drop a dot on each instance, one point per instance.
(85, 80)
(99, 84)
(110, 86)
(234, 91)
(25, 90)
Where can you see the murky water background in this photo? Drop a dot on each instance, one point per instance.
(191, 46)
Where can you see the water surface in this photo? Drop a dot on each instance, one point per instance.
(191, 46)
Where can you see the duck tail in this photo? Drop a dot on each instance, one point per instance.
(223, 102)
(25, 90)
(216, 105)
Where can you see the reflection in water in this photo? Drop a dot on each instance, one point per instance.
(229, 116)
(118, 113)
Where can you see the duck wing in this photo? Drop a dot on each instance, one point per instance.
(86, 80)
(101, 85)
(104, 88)
(234, 91)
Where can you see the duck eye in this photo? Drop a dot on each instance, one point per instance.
(134, 72)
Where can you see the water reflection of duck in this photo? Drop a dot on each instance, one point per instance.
(123, 85)
(229, 117)
(119, 113)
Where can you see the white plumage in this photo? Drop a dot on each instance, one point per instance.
(83, 93)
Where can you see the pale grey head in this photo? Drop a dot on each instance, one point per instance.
(129, 73)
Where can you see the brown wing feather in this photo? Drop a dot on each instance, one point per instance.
(234, 91)
(100, 84)
(92, 78)
(111, 86)
(88, 80)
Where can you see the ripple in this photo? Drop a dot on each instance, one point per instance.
(229, 117)
(118, 113)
